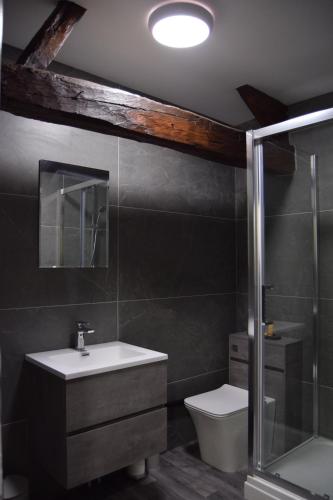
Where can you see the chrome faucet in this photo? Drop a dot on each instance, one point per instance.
(82, 328)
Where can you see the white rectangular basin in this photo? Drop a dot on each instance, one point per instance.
(110, 356)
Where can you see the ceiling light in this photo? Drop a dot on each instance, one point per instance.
(181, 24)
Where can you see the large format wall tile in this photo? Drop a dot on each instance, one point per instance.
(193, 331)
(163, 179)
(42, 329)
(298, 311)
(161, 255)
(24, 284)
(181, 389)
(318, 140)
(289, 193)
(289, 254)
(325, 254)
(326, 343)
(167, 255)
(15, 447)
(23, 142)
(242, 256)
(241, 312)
(240, 193)
(326, 412)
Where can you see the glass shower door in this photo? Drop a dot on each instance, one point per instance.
(291, 287)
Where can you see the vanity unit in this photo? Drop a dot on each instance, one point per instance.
(91, 415)
(282, 382)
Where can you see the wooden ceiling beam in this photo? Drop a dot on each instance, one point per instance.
(54, 98)
(47, 42)
(265, 109)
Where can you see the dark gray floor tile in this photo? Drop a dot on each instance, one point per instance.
(298, 311)
(326, 412)
(188, 459)
(225, 495)
(194, 332)
(326, 343)
(171, 480)
(181, 389)
(163, 179)
(41, 329)
(24, 284)
(24, 142)
(192, 482)
(181, 476)
(289, 254)
(163, 255)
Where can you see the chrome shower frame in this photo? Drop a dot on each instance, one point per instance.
(256, 275)
(1, 468)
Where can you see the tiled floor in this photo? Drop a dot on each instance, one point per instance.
(181, 476)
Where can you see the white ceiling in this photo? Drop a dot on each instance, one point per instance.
(283, 47)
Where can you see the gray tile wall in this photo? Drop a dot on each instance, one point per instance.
(319, 140)
(289, 258)
(170, 284)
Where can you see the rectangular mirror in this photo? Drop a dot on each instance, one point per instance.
(73, 216)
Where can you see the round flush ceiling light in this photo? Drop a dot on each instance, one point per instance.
(181, 24)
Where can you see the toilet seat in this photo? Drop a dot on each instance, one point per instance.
(220, 403)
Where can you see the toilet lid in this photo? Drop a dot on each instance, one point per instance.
(221, 402)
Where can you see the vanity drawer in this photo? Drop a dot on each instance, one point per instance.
(239, 347)
(108, 396)
(97, 452)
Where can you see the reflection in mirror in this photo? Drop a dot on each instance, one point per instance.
(73, 216)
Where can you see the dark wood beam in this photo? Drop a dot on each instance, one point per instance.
(47, 42)
(54, 98)
(267, 110)
(264, 108)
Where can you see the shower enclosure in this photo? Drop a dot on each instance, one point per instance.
(290, 236)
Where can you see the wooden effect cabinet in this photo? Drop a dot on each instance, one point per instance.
(282, 382)
(85, 428)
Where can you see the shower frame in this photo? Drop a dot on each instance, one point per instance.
(256, 275)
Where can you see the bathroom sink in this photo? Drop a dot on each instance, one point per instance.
(110, 356)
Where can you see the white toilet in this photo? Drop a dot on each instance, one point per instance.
(220, 418)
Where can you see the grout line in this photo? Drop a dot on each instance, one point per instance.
(115, 301)
(3, 309)
(222, 219)
(287, 214)
(118, 233)
(33, 196)
(177, 297)
(14, 422)
(325, 210)
(329, 387)
(197, 376)
(289, 296)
